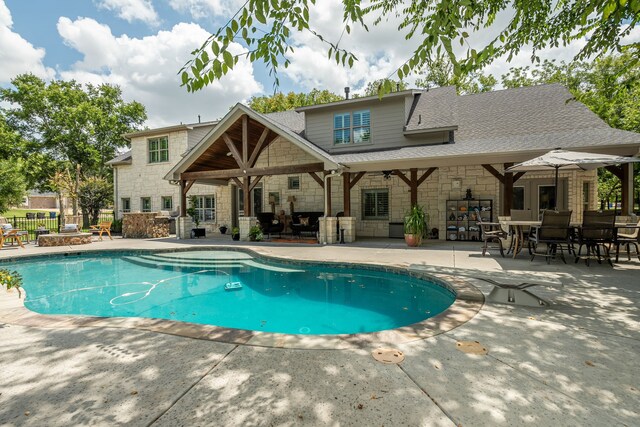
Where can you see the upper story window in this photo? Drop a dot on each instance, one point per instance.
(158, 149)
(352, 128)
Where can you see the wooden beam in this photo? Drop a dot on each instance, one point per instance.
(346, 193)
(255, 182)
(494, 172)
(317, 179)
(246, 193)
(258, 148)
(399, 174)
(245, 139)
(237, 181)
(517, 176)
(413, 188)
(327, 191)
(616, 170)
(183, 198)
(271, 170)
(426, 175)
(233, 149)
(508, 191)
(188, 186)
(355, 180)
(626, 206)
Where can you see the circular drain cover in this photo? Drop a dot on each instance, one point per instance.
(388, 355)
(471, 347)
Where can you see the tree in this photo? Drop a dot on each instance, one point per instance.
(12, 185)
(65, 124)
(94, 194)
(265, 27)
(440, 73)
(290, 101)
(374, 87)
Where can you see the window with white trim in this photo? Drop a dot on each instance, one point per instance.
(158, 149)
(145, 204)
(352, 128)
(206, 208)
(375, 203)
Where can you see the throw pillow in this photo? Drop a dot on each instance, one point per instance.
(304, 221)
(275, 222)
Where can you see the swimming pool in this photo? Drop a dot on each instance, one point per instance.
(233, 289)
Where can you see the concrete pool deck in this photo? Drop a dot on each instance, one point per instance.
(575, 363)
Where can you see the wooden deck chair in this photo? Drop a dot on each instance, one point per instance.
(13, 235)
(102, 227)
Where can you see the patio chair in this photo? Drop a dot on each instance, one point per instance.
(40, 215)
(597, 231)
(628, 239)
(102, 227)
(12, 234)
(30, 215)
(490, 232)
(554, 233)
(69, 228)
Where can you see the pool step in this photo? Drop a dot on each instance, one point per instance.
(168, 262)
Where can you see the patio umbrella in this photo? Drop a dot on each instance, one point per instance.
(556, 159)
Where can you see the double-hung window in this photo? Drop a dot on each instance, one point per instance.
(167, 203)
(206, 208)
(375, 204)
(361, 127)
(158, 150)
(126, 204)
(145, 204)
(352, 128)
(342, 129)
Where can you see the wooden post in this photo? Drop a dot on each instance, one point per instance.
(627, 189)
(508, 191)
(183, 198)
(327, 190)
(414, 186)
(346, 190)
(246, 192)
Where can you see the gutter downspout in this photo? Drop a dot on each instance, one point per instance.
(333, 173)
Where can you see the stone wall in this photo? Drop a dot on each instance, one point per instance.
(145, 225)
(63, 239)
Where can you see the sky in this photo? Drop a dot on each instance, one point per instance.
(140, 45)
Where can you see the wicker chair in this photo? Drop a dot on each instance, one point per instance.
(554, 233)
(628, 239)
(597, 231)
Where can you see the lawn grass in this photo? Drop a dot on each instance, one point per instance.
(21, 213)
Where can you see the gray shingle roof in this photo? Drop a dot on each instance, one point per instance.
(290, 119)
(123, 158)
(436, 108)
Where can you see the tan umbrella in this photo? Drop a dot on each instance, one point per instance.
(556, 159)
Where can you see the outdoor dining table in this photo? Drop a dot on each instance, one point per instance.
(518, 231)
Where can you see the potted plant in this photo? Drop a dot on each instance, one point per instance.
(235, 233)
(223, 229)
(255, 233)
(415, 224)
(193, 213)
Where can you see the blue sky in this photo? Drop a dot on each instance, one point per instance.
(141, 44)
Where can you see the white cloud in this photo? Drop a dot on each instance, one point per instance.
(146, 70)
(199, 9)
(17, 55)
(131, 10)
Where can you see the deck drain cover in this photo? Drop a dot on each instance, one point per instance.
(388, 355)
(471, 347)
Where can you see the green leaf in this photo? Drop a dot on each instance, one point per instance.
(228, 58)
(215, 48)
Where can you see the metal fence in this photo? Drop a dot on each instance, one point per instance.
(50, 222)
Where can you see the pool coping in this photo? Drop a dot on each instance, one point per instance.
(468, 302)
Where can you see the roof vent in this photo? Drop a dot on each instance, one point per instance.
(198, 118)
(346, 92)
(397, 87)
(419, 118)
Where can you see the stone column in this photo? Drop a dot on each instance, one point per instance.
(348, 223)
(184, 224)
(328, 234)
(245, 223)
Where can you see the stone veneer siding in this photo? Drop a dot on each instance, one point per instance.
(64, 239)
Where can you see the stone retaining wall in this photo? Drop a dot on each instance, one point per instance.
(64, 239)
(144, 225)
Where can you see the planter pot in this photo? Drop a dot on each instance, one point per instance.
(413, 239)
(235, 236)
(223, 230)
(198, 232)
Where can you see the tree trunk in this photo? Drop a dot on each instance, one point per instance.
(61, 207)
(76, 187)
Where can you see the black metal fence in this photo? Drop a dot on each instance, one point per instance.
(50, 222)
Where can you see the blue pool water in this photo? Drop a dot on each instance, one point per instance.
(295, 298)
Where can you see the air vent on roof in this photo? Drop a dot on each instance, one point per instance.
(346, 92)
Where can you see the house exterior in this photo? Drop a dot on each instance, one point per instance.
(372, 158)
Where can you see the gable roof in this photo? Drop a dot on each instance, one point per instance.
(121, 159)
(266, 120)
